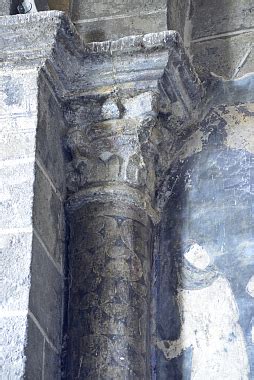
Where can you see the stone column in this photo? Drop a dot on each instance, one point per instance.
(111, 175)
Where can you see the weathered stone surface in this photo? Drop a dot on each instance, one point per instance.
(110, 152)
(98, 67)
(177, 15)
(21, 55)
(47, 307)
(225, 56)
(34, 352)
(52, 368)
(17, 195)
(13, 336)
(18, 90)
(17, 137)
(110, 267)
(111, 171)
(248, 65)
(50, 134)
(61, 5)
(48, 217)
(42, 5)
(215, 17)
(5, 7)
(93, 9)
(220, 31)
(27, 49)
(15, 270)
(114, 28)
(109, 20)
(120, 142)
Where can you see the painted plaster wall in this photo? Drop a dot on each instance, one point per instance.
(205, 308)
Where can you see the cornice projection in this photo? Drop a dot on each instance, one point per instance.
(50, 40)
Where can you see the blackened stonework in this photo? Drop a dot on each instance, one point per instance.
(111, 184)
(109, 292)
(115, 147)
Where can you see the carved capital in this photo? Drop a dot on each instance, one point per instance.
(119, 150)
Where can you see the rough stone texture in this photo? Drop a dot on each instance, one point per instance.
(50, 136)
(13, 335)
(15, 271)
(52, 363)
(111, 155)
(48, 217)
(109, 294)
(113, 28)
(17, 137)
(113, 145)
(61, 5)
(229, 57)
(5, 7)
(107, 20)
(25, 267)
(48, 283)
(16, 210)
(177, 15)
(17, 195)
(216, 17)
(94, 9)
(134, 144)
(42, 5)
(110, 244)
(34, 351)
(218, 35)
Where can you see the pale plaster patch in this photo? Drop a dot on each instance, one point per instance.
(211, 329)
(192, 146)
(240, 127)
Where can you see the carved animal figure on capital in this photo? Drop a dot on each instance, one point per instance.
(209, 321)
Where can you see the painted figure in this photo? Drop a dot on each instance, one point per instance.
(209, 321)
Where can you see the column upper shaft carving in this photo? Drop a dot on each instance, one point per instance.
(121, 149)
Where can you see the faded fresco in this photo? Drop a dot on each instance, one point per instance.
(205, 266)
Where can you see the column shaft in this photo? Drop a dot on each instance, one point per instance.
(109, 292)
(110, 218)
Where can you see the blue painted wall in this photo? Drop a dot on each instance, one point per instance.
(212, 205)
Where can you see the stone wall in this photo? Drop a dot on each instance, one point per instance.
(219, 35)
(46, 298)
(144, 141)
(32, 231)
(108, 20)
(18, 130)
